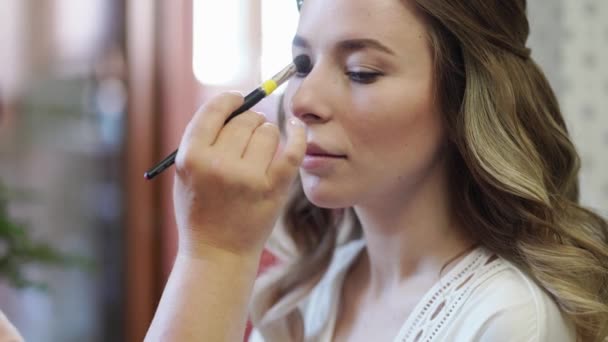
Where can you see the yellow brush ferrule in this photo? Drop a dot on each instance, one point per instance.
(269, 86)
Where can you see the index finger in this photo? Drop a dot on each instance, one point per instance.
(208, 121)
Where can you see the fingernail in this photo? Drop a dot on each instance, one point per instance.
(260, 114)
(296, 122)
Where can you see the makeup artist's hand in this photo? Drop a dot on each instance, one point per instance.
(231, 181)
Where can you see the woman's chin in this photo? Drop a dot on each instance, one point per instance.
(325, 196)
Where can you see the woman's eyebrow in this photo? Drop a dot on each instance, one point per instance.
(352, 45)
(349, 45)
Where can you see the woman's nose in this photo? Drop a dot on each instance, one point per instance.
(310, 100)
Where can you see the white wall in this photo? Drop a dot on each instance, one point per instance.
(569, 39)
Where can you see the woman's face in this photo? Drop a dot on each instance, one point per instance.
(367, 101)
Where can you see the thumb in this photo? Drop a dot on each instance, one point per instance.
(284, 167)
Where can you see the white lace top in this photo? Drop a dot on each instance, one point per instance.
(482, 298)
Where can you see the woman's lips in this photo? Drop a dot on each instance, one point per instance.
(318, 158)
(313, 149)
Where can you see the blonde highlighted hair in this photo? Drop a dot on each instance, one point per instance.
(514, 169)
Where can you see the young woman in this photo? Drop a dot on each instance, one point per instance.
(428, 125)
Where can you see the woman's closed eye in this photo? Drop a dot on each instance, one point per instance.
(358, 76)
(364, 77)
(302, 73)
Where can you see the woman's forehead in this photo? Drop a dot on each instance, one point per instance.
(336, 20)
(365, 7)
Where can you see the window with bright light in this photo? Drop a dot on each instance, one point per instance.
(79, 27)
(221, 29)
(219, 37)
(279, 23)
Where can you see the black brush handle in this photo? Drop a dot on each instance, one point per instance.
(250, 100)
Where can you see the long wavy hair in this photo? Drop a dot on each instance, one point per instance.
(514, 172)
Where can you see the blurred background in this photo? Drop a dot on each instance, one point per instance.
(94, 92)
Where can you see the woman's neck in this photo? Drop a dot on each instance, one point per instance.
(411, 236)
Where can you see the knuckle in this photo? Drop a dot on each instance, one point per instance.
(233, 96)
(292, 159)
(222, 103)
(270, 129)
(246, 123)
(253, 180)
(261, 187)
(213, 107)
(213, 166)
(184, 160)
(217, 170)
(250, 119)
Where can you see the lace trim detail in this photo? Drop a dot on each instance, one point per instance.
(449, 297)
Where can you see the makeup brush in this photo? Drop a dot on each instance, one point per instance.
(300, 64)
